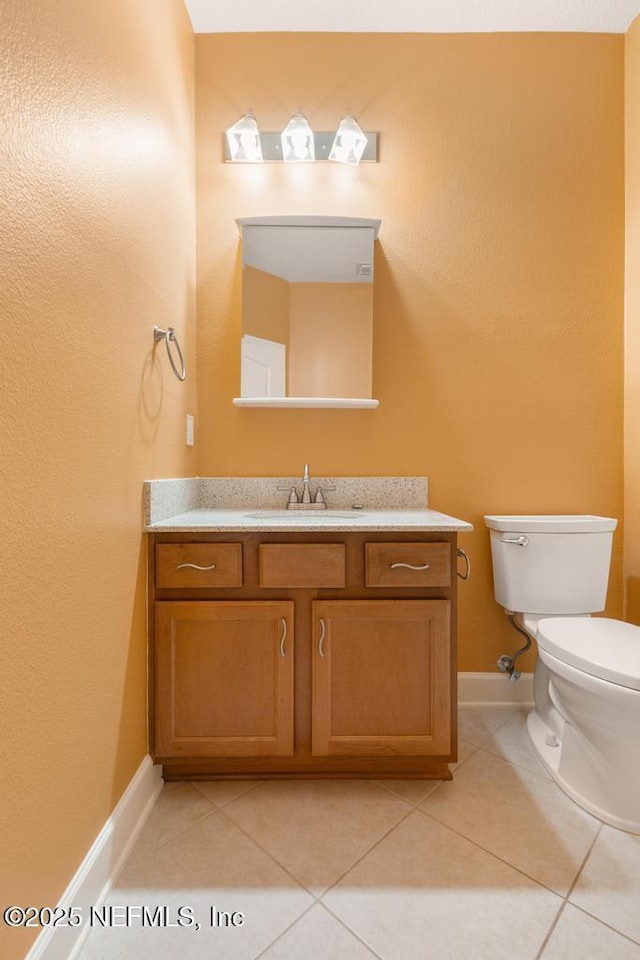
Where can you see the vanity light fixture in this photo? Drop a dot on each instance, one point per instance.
(349, 143)
(243, 140)
(298, 141)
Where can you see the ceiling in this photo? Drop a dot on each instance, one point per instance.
(412, 16)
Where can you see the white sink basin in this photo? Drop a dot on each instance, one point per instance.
(293, 516)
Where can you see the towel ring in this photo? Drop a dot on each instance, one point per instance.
(169, 335)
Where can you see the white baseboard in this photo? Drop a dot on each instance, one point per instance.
(494, 688)
(94, 878)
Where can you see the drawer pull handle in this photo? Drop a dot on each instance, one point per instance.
(321, 640)
(410, 566)
(195, 566)
(284, 637)
(467, 572)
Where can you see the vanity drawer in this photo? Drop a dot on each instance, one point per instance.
(407, 565)
(302, 564)
(199, 565)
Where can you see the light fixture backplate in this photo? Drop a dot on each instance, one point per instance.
(272, 148)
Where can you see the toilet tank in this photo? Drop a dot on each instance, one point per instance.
(551, 564)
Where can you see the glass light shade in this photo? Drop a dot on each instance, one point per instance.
(243, 139)
(349, 142)
(297, 141)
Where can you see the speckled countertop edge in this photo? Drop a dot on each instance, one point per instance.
(239, 521)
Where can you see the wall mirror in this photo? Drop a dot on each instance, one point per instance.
(307, 311)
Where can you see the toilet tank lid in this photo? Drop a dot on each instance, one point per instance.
(550, 523)
(604, 648)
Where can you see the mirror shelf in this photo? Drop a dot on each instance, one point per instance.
(309, 221)
(344, 403)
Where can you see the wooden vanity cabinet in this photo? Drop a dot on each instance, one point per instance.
(313, 655)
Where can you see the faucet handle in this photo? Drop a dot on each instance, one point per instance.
(319, 496)
(293, 493)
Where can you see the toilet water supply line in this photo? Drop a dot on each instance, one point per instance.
(507, 663)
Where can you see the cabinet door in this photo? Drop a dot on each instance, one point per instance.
(224, 679)
(382, 675)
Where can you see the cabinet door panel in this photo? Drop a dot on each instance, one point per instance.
(224, 678)
(381, 678)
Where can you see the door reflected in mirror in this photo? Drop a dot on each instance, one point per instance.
(307, 308)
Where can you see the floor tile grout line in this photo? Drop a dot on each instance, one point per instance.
(491, 853)
(577, 907)
(520, 766)
(549, 780)
(319, 896)
(270, 855)
(569, 892)
(514, 763)
(493, 732)
(604, 923)
(316, 897)
(461, 763)
(285, 931)
(354, 933)
(584, 861)
(193, 784)
(582, 909)
(174, 836)
(367, 852)
(221, 806)
(398, 796)
(322, 906)
(549, 933)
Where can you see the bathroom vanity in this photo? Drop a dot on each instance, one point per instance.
(293, 644)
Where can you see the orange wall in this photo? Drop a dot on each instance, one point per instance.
(632, 323)
(97, 247)
(498, 300)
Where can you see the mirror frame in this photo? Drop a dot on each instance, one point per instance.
(308, 402)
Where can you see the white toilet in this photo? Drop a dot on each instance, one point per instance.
(552, 573)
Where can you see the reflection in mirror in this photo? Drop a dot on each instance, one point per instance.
(307, 311)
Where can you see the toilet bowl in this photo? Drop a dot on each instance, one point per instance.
(552, 572)
(586, 729)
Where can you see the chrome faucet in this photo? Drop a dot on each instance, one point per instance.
(307, 499)
(306, 489)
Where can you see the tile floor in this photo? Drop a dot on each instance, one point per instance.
(496, 865)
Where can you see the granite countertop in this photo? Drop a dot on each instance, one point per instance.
(207, 519)
(254, 505)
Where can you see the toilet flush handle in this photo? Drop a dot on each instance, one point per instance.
(521, 541)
